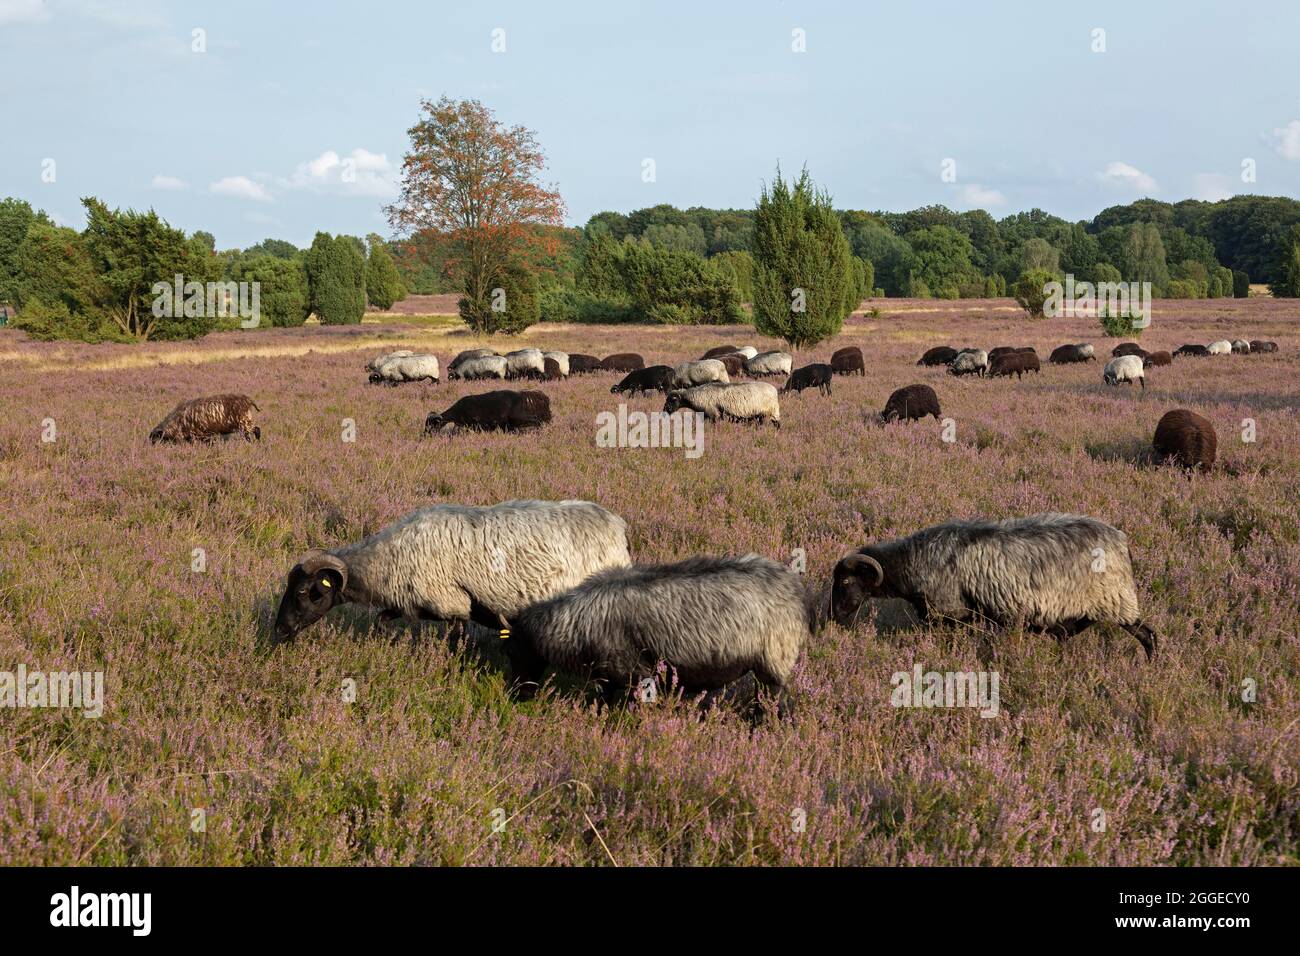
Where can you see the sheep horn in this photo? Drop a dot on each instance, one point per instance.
(857, 563)
(316, 561)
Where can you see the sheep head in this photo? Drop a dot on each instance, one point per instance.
(858, 576)
(315, 585)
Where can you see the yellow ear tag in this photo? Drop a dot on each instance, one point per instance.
(325, 583)
(505, 633)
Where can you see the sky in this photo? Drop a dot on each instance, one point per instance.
(257, 119)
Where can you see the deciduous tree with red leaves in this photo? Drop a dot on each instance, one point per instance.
(476, 182)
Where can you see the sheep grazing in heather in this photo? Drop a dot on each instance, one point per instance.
(769, 364)
(465, 356)
(1126, 368)
(1088, 350)
(1195, 351)
(975, 362)
(554, 372)
(1014, 363)
(1221, 347)
(740, 402)
(481, 367)
(203, 419)
(1127, 348)
(747, 352)
(1257, 346)
(1240, 347)
(699, 373)
(503, 410)
(711, 620)
(1185, 438)
(374, 363)
(656, 378)
(525, 363)
(457, 562)
(734, 363)
(912, 402)
(559, 358)
(1010, 350)
(622, 362)
(1069, 354)
(406, 368)
(848, 361)
(818, 376)
(1060, 573)
(719, 351)
(1157, 359)
(939, 355)
(580, 364)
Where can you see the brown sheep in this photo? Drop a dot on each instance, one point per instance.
(1185, 438)
(719, 351)
(622, 362)
(203, 419)
(580, 364)
(735, 364)
(1157, 358)
(910, 402)
(553, 371)
(1015, 363)
(848, 361)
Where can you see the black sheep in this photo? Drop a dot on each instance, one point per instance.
(622, 362)
(1185, 438)
(848, 361)
(503, 410)
(656, 378)
(939, 355)
(910, 402)
(817, 375)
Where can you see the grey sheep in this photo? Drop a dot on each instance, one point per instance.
(741, 402)
(1126, 368)
(525, 363)
(975, 362)
(699, 373)
(374, 363)
(1060, 573)
(486, 366)
(406, 368)
(769, 363)
(458, 562)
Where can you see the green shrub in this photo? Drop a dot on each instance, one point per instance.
(739, 267)
(1119, 325)
(1029, 291)
(336, 279)
(1240, 284)
(282, 289)
(510, 305)
(383, 284)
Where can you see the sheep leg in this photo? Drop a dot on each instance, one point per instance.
(1146, 637)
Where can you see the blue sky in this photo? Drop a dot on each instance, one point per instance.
(250, 138)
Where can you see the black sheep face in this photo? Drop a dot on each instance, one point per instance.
(854, 582)
(433, 423)
(310, 594)
(673, 403)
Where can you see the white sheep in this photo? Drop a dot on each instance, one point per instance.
(769, 363)
(487, 366)
(1087, 350)
(698, 373)
(374, 363)
(748, 352)
(738, 401)
(1221, 347)
(561, 359)
(1240, 347)
(975, 362)
(406, 368)
(1125, 368)
(457, 562)
(525, 363)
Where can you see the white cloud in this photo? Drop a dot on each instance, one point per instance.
(169, 183)
(1211, 187)
(241, 187)
(981, 196)
(1122, 174)
(23, 11)
(1287, 140)
(360, 173)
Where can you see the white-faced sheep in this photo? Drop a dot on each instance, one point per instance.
(769, 364)
(406, 368)
(741, 402)
(457, 562)
(1126, 368)
(711, 620)
(525, 363)
(1060, 573)
(1221, 347)
(1087, 350)
(699, 373)
(374, 363)
(486, 366)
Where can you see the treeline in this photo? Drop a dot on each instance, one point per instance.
(100, 284)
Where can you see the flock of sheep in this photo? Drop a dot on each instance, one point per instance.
(557, 581)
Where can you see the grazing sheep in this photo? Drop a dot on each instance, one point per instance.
(1126, 368)
(465, 356)
(1068, 354)
(561, 359)
(1221, 347)
(1240, 347)
(1002, 350)
(458, 562)
(580, 364)
(503, 410)
(203, 419)
(622, 362)
(817, 375)
(747, 352)
(699, 373)
(912, 402)
(1015, 363)
(848, 361)
(1257, 346)
(1056, 572)
(1185, 438)
(719, 351)
(734, 363)
(656, 378)
(970, 363)
(741, 402)
(939, 355)
(374, 363)
(406, 368)
(486, 366)
(1088, 350)
(1157, 359)
(553, 370)
(769, 363)
(711, 620)
(1127, 348)
(1196, 351)
(525, 363)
